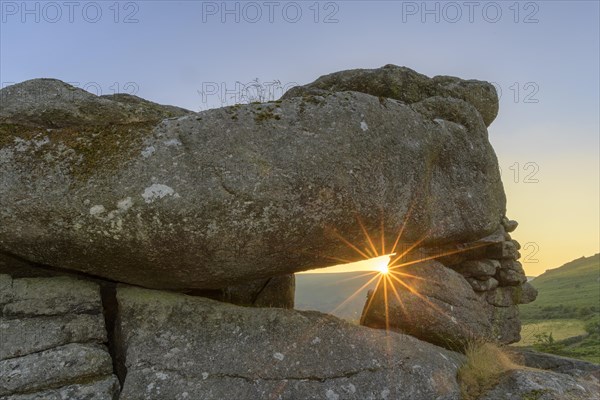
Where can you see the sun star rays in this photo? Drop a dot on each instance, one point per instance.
(387, 277)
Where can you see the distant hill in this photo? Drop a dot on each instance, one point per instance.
(570, 291)
(326, 292)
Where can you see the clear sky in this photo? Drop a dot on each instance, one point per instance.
(542, 55)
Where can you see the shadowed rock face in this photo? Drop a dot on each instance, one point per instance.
(437, 305)
(105, 186)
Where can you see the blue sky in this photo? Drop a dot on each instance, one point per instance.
(167, 52)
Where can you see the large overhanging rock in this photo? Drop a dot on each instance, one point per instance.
(206, 200)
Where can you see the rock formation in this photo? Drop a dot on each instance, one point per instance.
(222, 207)
(167, 345)
(205, 200)
(474, 296)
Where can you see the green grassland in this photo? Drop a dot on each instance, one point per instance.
(565, 318)
(568, 292)
(560, 329)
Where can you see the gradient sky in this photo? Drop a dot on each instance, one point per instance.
(169, 52)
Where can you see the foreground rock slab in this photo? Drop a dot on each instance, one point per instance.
(181, 347)
(53, 340)
(109, 187)
(551, 362)
(541, 385)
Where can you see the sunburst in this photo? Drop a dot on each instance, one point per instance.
(388, 275)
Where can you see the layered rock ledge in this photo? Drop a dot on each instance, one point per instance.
(53, 341)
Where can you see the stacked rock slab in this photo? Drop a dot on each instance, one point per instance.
(53, 341)
(496, 275)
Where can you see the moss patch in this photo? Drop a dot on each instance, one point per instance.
(104, 148)
(265, 115)
(535, 394)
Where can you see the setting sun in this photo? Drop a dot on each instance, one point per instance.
(381, 264)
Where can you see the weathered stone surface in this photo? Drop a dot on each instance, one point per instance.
(512, 264)
(440, 307)
(541, 385)
(485, 268)
(52, 296)
(59, 366)
(507, 296)
(509, 224)
(29, 335)
(453, 255)
(504, 250)
(528, 293)
(479, 285)
(19, 268)
(406, 85)
(6, 292)
(54, 104)
(225, 196)
(510, 277)
(278, 291)
(506, 325)
(102, 389)
(551, 362)
(52, 334)
(181, 347)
